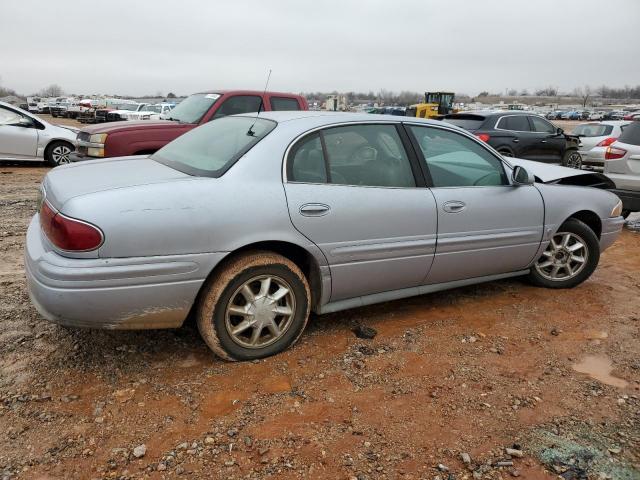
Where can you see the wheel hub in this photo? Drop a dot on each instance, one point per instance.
(564, 258)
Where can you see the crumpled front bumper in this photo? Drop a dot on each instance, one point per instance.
(114, 293)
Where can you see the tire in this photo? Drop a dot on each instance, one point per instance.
(572, 159)
(226, 290)
(540, 273)
(57, 153)
(625, 213)
(505, 152)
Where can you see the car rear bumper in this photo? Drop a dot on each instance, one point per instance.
(117, 293)
(594, 157)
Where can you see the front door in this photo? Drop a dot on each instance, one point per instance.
(486, 226)
(551, 145)
(352, 191)
(16, 141)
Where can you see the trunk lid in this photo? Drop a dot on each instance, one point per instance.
(68, 181)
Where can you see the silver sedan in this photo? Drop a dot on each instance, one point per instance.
(251, 223)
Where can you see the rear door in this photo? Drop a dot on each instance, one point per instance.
(16, 141)
(551, 145)
(356, 191)
(514, 132)
(486, 226)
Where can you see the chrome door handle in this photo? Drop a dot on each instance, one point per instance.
(515, 140)
(454, 206)
(314, 209)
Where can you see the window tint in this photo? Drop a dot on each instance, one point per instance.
(518, 123)
(306, 161)
(593, 130)
(367, 155)
(468, 122)
(542, 126)
(281, 103)
(239, 104)
(457, 161)
(9, 117)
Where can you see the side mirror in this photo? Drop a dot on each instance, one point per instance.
(521, 176)
(24, 122)
(559, 131)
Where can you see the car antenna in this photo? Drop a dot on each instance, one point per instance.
(250, 132)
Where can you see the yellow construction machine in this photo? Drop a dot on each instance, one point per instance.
(435, 104)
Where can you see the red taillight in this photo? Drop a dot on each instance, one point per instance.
(614, 153)
(67, 233)
(606, 142)
(483, 136)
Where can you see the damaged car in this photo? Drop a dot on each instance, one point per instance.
(250, 222)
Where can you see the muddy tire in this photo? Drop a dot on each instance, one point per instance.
(569, 259)
(255, 306)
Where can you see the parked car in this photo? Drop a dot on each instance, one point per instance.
(631, 115)
(594, 138)
(521, 135)
(122, 112)
(596, 116)
(622, 166)
(614, 115)
(24, 136)
(254, 221)
(151, 112)
(135, 138)
(555, 115)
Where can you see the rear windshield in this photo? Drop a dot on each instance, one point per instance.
(593, 130)
(210, 150)
(468, 122)
(630, 134)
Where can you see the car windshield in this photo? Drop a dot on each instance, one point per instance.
(593, 130)
(193, 108)
(152, 108)
(209, 150)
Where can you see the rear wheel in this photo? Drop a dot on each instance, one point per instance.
(625, 213)
(570, 258)
(505, 152)
(256, 306)
(57, 153)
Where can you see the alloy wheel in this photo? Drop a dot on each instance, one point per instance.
(564, 258)
(60, 154)
(574, 160)
(260, 311)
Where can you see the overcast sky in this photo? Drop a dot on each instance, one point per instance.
(146, 46)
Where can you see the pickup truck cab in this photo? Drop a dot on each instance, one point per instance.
(145, 137)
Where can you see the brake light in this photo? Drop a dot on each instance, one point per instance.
(68, 233)
(606, 142)
(614, 153)
(483, 136)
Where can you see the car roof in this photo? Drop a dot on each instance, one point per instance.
(329, 117)
(250, 92)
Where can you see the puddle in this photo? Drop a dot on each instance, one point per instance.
(599, 368)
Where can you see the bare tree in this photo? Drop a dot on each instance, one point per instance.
(584, 93)
(52, 90)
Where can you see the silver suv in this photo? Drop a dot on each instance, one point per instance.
(622, 165)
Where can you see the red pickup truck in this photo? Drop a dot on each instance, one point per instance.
(144, 137)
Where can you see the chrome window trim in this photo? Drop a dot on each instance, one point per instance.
(332, 125)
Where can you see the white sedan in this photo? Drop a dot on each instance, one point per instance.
(24, 136)
(595, 137)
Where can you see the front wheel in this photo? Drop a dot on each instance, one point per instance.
(572, 159)
(57, 153)
(570, 258)
(257, 305)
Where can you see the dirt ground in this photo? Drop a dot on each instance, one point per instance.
(471, 371)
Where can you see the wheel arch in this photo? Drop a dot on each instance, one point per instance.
(590, 218)
(299, 255)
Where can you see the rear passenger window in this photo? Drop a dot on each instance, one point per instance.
(306, 161)
(282, 103)
(365, 155)
(517, 123)
(542, 126)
